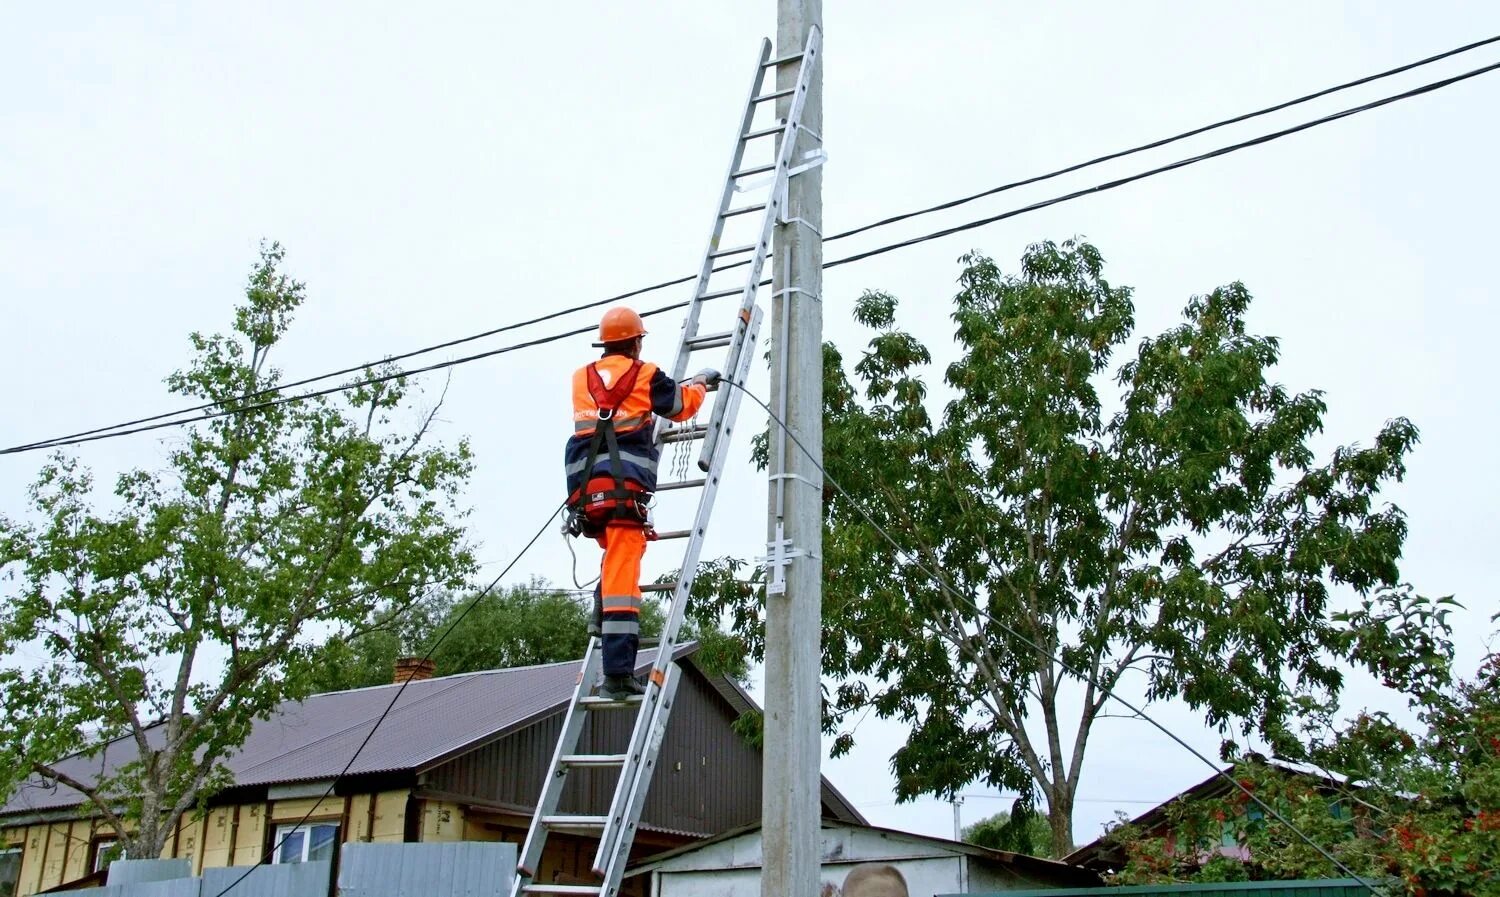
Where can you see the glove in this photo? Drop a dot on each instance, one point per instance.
(707, 376)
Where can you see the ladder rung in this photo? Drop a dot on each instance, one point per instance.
(684, 434)
(735, 251)
(784, 59)
(714, 342)
(720, 294)
(758, 169)
(765, 132)
(774, 95)
(659, 587)
(583, 824)
(743, 210)
(562, 889)
(674, 534)
(680, 484)
(594, 702)
(594, 759)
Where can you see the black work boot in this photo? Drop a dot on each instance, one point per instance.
(618, 688)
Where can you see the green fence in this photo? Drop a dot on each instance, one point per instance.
(1323, 887)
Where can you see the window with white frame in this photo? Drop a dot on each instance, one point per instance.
(305, 843)
(10, 870)
(106, 851)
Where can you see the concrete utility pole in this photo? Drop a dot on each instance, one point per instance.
(791, 797)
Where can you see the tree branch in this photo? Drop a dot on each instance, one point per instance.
(56, 775)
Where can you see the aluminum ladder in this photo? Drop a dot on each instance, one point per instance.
(743, 265)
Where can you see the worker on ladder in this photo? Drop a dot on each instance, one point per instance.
(611, 461)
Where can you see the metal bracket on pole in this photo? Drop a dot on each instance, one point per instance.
(814, 157)
(796, 476)
(778, 558)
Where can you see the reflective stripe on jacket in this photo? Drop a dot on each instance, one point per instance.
(655, 393)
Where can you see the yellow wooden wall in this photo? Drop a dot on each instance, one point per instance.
(57, 852)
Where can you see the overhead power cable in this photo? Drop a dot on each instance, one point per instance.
(1157, 144)
(158, 422)
(278, 388)
(474, 602)
(969, 604)
(1181, 163)
(107, 433)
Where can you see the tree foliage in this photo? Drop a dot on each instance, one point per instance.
(1422, 809)
(1155, 508)
(1019, 832)
(194, 602)
(511, 627)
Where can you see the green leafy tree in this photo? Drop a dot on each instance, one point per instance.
(1180, 527)
(518, 626)
(1421, 810)
(1020, 832)
(195, 603)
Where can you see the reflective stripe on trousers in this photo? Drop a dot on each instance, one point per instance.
(620, 595)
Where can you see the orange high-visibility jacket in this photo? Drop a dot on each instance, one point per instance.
(654, 393)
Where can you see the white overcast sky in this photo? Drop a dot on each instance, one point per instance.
(438, 169)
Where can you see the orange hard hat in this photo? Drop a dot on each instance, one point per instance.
(620, 324)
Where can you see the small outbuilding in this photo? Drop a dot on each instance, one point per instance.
(730, 864)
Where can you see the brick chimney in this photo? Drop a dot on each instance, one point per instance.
(413, 668)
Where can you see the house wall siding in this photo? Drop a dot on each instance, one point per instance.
(57, 852)
(707, 780)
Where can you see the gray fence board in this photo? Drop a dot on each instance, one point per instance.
(459, 869)
(125, 872)
(287, 880)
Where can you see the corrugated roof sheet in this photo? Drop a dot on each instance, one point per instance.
(313, 739)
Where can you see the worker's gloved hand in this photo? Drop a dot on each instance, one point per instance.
(707, 377)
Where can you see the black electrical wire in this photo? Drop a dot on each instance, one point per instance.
(1157, 144)
(285, 399)
(1181, 163)
(392, 706)
(942, 583)
(109, 432)
(271, 390)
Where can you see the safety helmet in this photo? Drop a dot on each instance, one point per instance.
(619, 324)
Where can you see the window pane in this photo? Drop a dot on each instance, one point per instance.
(291, 844)
(105, 852)
(323, 838)
(10, 870)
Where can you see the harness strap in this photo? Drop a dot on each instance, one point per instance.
(608, 400)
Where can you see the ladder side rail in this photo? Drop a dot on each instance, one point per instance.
(530, 857)
(619, 858)
(661, 670)
(785, 153)
(689, 570)
(614, 820)
(715, 428)
(726, 196)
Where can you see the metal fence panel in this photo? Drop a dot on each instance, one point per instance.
(126, 872)
(459, 869)
(181, 887)
(277, 880)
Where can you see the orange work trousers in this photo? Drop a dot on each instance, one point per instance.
(618, 596)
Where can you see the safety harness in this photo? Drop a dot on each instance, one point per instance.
(589, 511)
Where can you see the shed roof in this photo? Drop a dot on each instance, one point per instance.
(1101, 853)
(431, 721)
(1054, 870)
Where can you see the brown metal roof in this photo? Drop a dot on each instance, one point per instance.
(313, 739)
